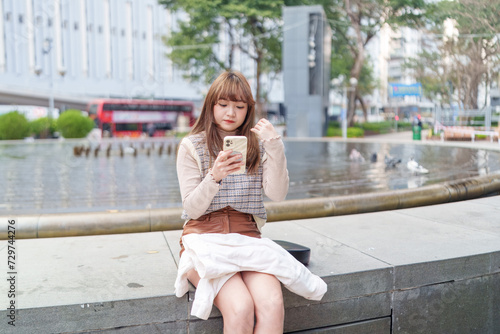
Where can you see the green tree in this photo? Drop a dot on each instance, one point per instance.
(13, 125)
(72, 124)
(426, 68)
(467, 53)
(341, 63)
(356, 22)
(252, 27)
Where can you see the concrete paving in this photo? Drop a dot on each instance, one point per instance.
(383, 270)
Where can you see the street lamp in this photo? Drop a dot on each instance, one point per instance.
(47, 47)
(351, 86)
(339, 82)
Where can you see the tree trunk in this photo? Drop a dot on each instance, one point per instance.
(359, 57)
(352, 93)
(351, 107)
(363, 106)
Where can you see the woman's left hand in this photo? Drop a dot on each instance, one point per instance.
(264, 129)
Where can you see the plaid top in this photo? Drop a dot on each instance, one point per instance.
(242, 192)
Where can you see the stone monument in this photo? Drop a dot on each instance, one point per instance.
(306, 70)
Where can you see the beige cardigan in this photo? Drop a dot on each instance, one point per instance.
(197, 194)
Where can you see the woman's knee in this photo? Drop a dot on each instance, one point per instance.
(238, 317)
(242, 310)
(271, 307)
(267, 296)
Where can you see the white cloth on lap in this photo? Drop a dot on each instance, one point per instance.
(217, 257)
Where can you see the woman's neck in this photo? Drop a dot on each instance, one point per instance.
(226, 133)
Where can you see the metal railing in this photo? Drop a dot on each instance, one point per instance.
(456, 117)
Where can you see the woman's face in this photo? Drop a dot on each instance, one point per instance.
(230, 115)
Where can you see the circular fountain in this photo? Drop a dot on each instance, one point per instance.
(48, 178)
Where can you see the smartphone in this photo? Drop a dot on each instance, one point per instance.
(239, 145)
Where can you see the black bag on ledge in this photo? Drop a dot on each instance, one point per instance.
(301, 253)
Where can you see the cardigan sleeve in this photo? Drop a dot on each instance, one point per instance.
(275, 174)
(196, 193)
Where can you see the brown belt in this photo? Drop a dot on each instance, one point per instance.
(226, 220)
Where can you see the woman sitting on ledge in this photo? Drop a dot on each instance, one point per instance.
(222, 252)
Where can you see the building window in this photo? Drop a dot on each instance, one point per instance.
(21, 18)
(75, 26)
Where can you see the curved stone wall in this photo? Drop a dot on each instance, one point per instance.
(95, 223)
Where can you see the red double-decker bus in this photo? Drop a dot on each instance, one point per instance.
(135, 118)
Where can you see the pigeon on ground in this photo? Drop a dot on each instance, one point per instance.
(415, 167)
(356, 156)
(391, 162)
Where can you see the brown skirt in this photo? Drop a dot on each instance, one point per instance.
(226, 220)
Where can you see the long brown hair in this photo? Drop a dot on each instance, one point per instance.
(231, 86)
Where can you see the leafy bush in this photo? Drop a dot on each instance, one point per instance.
(405, 126)
(377, 127)
(335, 124)
(360, 129)
(43, 127)
(14, 125)
(334, 130)
(72, 124)
(355, 132)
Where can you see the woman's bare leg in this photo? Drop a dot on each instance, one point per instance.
(267, 297)
(234, 302)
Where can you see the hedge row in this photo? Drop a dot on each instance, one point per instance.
(358, 130)
(70, 124)
(352, 132)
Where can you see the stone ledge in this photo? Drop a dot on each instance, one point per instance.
(446, 305)
(172, 313)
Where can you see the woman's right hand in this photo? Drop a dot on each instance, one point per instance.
(226, 164)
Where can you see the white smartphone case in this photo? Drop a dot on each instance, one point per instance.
(239, 145)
